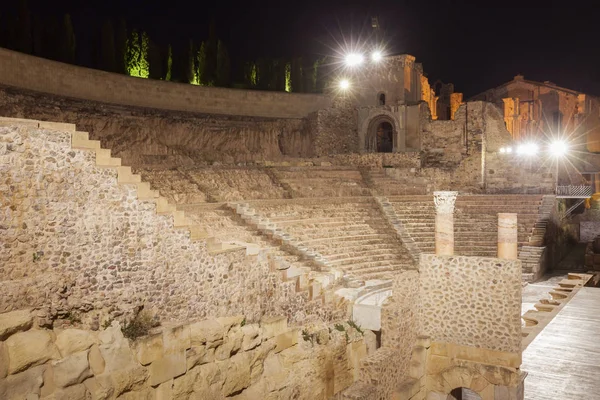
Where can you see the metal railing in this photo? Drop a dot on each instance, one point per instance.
(574, 192)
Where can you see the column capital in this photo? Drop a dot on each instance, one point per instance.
(444, 202)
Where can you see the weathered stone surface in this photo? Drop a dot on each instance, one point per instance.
(197, 355)
(252, 337)
(77, 392)
(149, 348)
(22, 385)
(3, 360)
(164, 391)
(72, 369)
(168, 367)
(128, 379)
(29, 348)
(96, 360)
(100, 387)
(237, 373)
(176, 339)
(229, 322)
(72, 341)
(209, 330)
(272, 326)
(286, 340)
(116, 356)
(14, 322)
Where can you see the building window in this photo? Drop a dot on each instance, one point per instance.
(381, 99)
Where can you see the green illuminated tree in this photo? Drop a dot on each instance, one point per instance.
(223, 73)
(137, 55)
(201, 65)
(288, 77)
(108, 58)
(169, 63)
(190, 71)
(121, 48)
(67, 41)
(250, 74)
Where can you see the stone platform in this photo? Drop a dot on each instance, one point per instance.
(563, 361)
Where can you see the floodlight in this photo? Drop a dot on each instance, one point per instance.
(354, 59)
(528, 149)
(558, 148)
(509, 149)
(502, 150)
(344, 84)
(376, 56)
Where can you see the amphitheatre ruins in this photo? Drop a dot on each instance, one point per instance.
(169, 241)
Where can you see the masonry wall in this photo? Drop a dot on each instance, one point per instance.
(34, 73)
(77, 243)
(209, 359)
(471, 301)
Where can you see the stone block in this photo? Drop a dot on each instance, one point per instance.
(164, 391)
(128, 379)
(229, 322)
(458, 377)
(176, 339)
(22, 385)
(77, 392)
(97, 364)
(100, 387)
(149, 348)
(117, 356)
(71, 370)
(72, 341)
(273, 326)
(237, 373)
(252, 337)
(3, 360)
(437, 364)
(198, 355)
(286, 340)
(206, 331)
(29, 348)
(356, 352)
(15, 321)
(168, 367)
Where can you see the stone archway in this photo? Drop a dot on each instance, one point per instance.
(462, 393)
(381, 135)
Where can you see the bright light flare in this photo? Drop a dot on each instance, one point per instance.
(558, 148)
(344, 84)
(528, 149)
(354, 59)
(376, 56)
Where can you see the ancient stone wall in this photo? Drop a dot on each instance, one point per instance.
(34, 73)
(209, 359)
(153, 137)
(77, 243)
(471, 301)
(334, 130)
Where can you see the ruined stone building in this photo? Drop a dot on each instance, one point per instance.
(170, 241)
(544, 110)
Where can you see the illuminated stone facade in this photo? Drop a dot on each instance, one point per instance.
(536, 110)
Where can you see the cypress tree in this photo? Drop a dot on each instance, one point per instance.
(201, 65)
(169, 63)
(155, 58)
(190, 72)
(108, 56)
(211, 55)
(296, 75)
(144, 60)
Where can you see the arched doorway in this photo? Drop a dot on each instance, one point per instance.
(462, 393)
(381, 135)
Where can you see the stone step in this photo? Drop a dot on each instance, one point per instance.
(373, 257)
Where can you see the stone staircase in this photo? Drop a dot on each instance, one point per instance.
(348, 234)
(322, 181)
(384, 185)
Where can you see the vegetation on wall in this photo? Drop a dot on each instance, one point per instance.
(118, 48)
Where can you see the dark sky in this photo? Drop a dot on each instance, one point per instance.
(474, 44)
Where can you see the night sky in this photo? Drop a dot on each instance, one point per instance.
(474, 45)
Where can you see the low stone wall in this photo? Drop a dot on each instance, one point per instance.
(209, 359)
(77, 243)
(471, 301)
(34, 73)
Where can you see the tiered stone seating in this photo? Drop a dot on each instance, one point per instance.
(322, 182)
(172, 184)
(475, 221)
(351, 233)
(388, 186)
(233, 184)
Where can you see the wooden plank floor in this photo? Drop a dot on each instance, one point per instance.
(563, 361)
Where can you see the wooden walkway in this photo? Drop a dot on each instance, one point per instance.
(563, 361)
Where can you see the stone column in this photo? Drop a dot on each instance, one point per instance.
(508, 234)
(444, 222)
